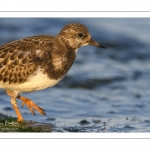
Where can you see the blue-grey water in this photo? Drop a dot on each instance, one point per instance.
(106, 90)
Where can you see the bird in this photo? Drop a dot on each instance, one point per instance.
(39, 62)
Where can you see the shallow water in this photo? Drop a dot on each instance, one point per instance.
(106, 90)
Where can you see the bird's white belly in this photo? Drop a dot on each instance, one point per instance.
(37, 81)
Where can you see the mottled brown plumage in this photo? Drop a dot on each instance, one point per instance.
(21, 58)
(38, 62)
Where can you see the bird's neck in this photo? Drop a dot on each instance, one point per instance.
(67, 42)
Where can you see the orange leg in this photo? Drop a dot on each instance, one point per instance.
(14, 103)
(20, 118)
(31, 105)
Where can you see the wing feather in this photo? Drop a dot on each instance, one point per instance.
(20, 59)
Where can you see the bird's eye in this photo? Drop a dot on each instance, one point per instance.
(80, 34)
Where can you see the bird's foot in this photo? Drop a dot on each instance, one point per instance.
(31, 105)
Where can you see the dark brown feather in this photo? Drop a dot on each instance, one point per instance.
(21, 58)
(18, 59)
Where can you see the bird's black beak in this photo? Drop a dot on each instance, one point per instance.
(94, 43)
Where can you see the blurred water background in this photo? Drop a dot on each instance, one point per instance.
(106, 90)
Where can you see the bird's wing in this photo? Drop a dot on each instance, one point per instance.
(19, 59)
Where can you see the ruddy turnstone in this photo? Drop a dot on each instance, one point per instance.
(38, 62)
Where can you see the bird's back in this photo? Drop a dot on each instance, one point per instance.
(22, 59)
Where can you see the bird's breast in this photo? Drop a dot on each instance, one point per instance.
(59, 64)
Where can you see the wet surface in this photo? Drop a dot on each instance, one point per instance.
(106, 90)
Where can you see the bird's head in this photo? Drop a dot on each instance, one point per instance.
(77, 35)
